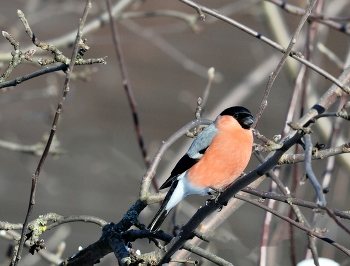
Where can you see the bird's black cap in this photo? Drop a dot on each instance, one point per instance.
(241, 114)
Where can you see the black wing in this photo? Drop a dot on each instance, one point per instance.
(185, 163)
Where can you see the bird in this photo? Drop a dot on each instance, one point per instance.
(216, 157)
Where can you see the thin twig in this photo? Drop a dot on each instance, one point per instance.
(336, 219)
(127, 85)
(17, 56)
(35, 74)
(287, 53)
(17, 255)
(91, 26)
(56, 220)
(319, 155)
(58, 55)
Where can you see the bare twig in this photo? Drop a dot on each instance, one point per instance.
(35, 74)
(287, 53)
(93, 25)
(127, 86)
(17, 255)
(55, 220)
(17, 56)
(58, 55)
(320, 154)
(335, 218)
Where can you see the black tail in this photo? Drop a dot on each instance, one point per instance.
(162, 212)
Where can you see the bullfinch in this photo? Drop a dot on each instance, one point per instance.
(216, 157)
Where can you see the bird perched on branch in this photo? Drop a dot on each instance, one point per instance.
(216, 157)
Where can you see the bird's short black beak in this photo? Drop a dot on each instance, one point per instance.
(247, 122)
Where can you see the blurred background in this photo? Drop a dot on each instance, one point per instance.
(100, 170)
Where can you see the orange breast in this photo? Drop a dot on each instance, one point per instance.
(226, 158)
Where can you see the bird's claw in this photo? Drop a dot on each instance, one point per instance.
(215, 198)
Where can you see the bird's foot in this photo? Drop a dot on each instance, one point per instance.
(212, 197)
(215, 198)
(220, 205)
